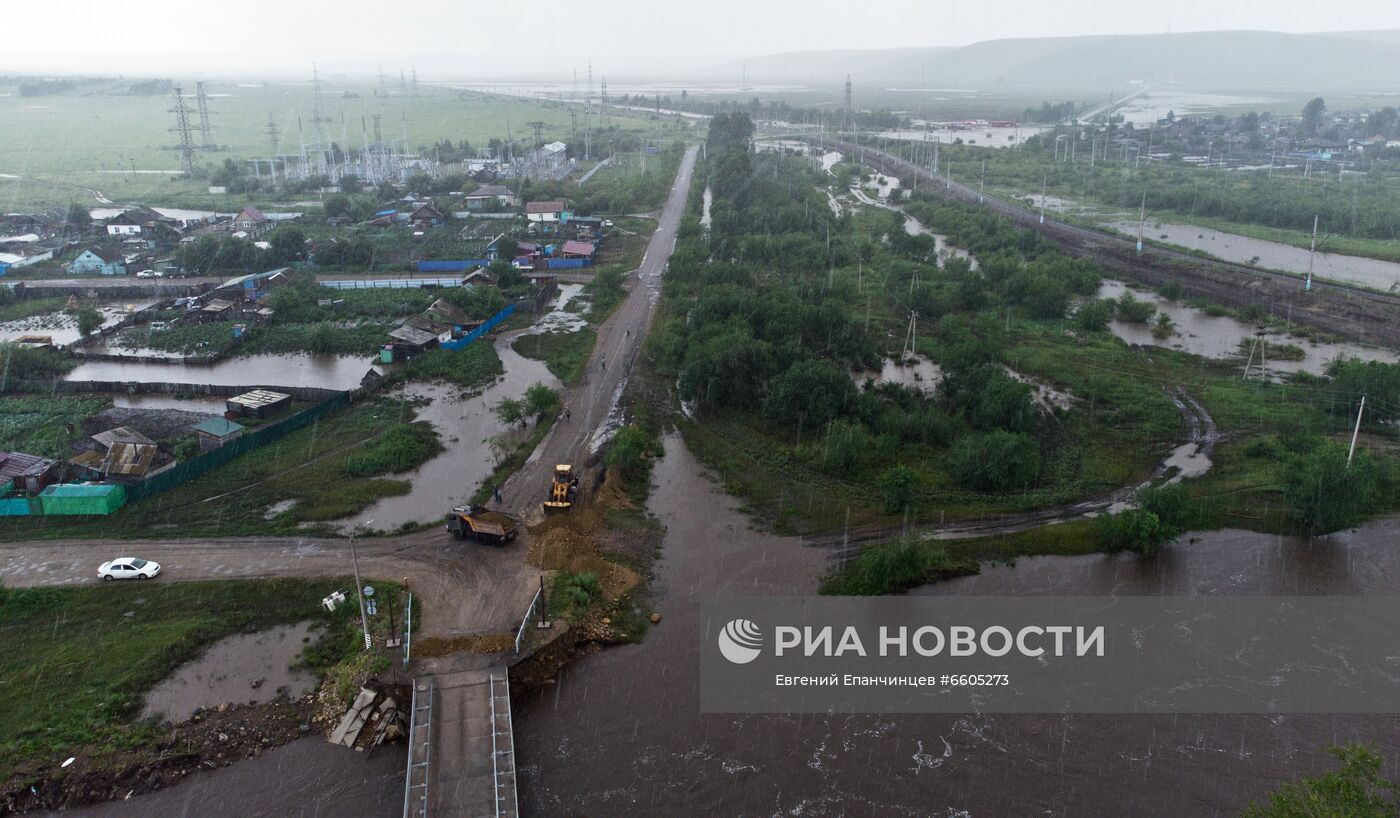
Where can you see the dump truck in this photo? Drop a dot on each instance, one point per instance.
(494, 527)
(563, 489)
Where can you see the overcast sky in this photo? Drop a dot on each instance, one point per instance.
(509, 36)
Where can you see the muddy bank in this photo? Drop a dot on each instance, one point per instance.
(247, 667)
(305, 778)
(620, 734)
(210, 740)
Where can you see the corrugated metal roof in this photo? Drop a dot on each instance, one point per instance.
(258, 397)
(132, 459)
(413, 335)
(18, 464)
(218, 427)
(122, 434)
(544, 207)
(581, 248)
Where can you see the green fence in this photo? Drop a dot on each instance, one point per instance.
(247, 442)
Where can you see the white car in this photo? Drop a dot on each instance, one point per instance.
(147, 274)
(128, 568)
(607, 223)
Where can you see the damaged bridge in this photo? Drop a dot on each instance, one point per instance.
(461, 751)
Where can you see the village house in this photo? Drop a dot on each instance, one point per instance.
(96, 260)
(136, 221)
(26, 472)
(492, 196)
(215, 432)
(251, 222)
(546, 212)
(426, 216)
(121, 455)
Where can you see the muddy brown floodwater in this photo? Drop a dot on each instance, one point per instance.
(308, 778)
(291, 369)
(620, 733)
(244, 668)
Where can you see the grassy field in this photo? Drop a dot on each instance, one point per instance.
(565, 353)
(327, 471)
(78, 660)
(69, 147)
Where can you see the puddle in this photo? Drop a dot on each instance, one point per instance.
(279, 507)
(292, 369)
(921, 375)
(914, 227)
(567, 315)
(227, 671)
(707, 200)
(198, 405)
(1381, 275)
(1219, 337)
(1046, 396)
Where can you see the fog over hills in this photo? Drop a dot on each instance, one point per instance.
(1223, 60)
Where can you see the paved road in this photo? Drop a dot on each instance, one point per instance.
(593, 402)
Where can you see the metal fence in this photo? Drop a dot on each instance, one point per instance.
(420, 742)
(529, 616)
(241, 445)
(481, 330)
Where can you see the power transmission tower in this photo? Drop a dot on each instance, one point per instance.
(272, 134)
(413, 79)
(847, 114)
(207, 131)
(607, 119)
(538, 125)
(184, 129)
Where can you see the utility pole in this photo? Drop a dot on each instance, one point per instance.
(360, 588)
(1142, 221)
(1356, 431)
(1312, 250)
(1044, 182)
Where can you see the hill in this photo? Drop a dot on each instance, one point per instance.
(1214, 60)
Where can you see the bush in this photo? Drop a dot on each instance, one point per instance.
(891, 568)
(1134, 311)
(573, 593)
(813, 392)
(995, 461)
(1094, 315)
(897, 487)
(1134, 530)
(404, 447)
(1324, 495)
(628, 454)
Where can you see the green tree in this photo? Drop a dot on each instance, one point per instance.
(629, 451)
(288, 245)
(1312, 115)
(540, 400)
(1094, 315)
(78, 215)
(89, 320)
(351, 184)
(897, 488)
(813, 392)
(337, 204)
(1324, 494)
(1135, 530)
(511, 411)
(1356, 790)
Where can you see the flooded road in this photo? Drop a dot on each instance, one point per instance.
(290, 369)
(1380, 275)
(621, 735)
(1219, 337)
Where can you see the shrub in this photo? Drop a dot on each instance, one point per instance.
(404, 447)
(891, 568)
(1134, 530)
(1094, 315)
(1324, 494)
(629, 451)
(1134, 311)
(995, 461)
(897, 487)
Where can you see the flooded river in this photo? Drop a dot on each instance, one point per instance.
(620, 733)
(1380, 275)
(291, 369)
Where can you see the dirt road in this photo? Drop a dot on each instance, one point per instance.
(593, 403)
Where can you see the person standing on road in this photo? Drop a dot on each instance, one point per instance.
(497, 493)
